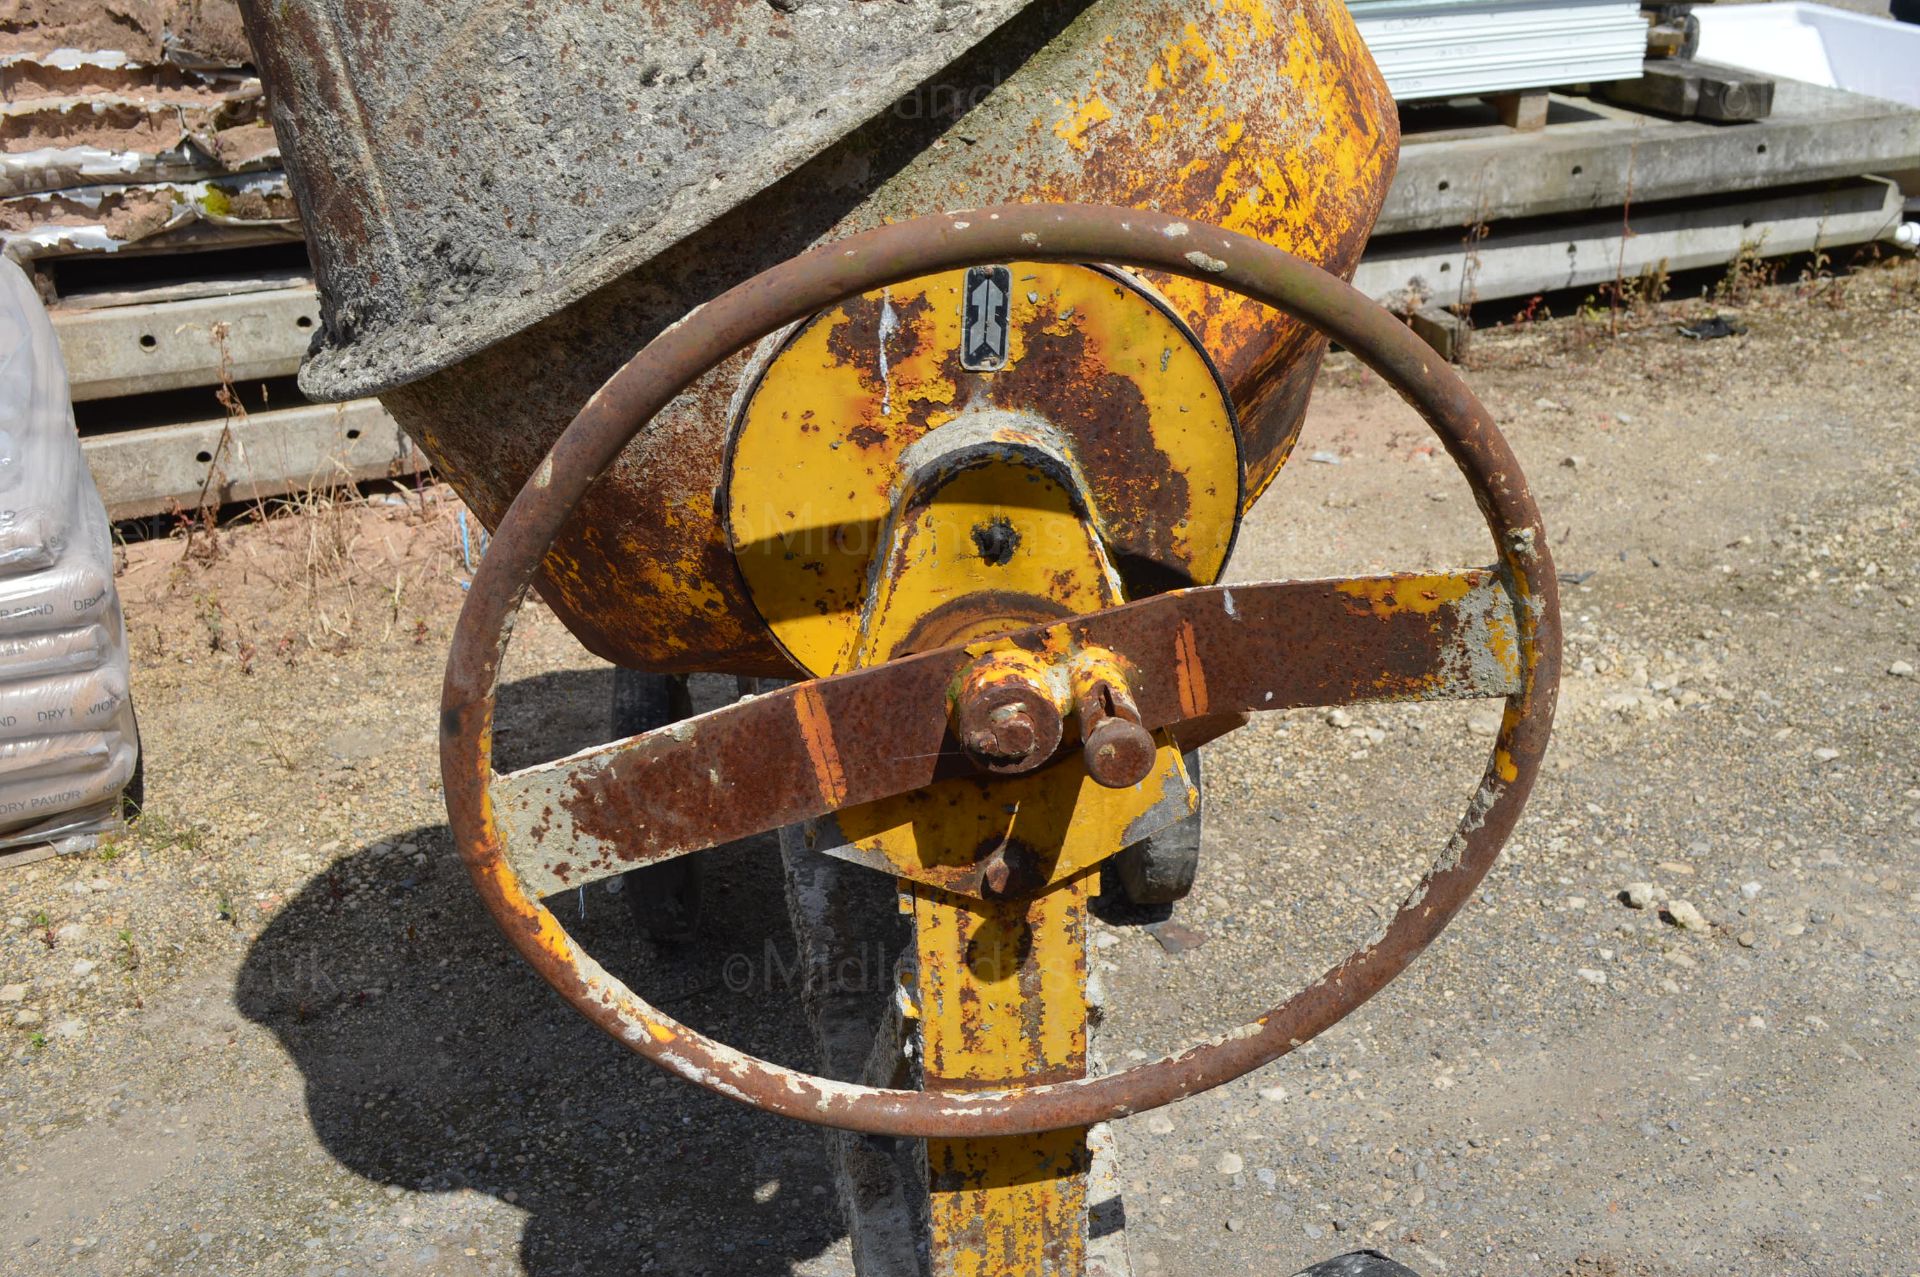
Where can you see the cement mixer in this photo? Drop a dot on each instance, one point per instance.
(920, 363)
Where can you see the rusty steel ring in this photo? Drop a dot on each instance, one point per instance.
(893, 254)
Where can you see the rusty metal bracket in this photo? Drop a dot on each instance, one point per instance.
(1524, 639)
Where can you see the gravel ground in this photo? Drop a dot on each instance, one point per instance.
(270, 1031)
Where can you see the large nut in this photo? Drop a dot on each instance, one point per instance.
(1005, 714)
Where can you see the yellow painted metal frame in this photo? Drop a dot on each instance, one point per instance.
(816, 449)
(1001, 984)
(865, 467)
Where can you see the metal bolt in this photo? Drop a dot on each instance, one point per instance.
(1013, 731)
(1009, 735)
(1009, 869)
(1004, 720)
(1119, 752)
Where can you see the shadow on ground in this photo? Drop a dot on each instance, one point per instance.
(435, 1060)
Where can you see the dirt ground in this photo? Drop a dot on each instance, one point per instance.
(270, 1031)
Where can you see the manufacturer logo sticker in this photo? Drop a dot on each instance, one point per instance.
(984, 314)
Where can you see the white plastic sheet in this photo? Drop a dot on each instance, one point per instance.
(68, 744)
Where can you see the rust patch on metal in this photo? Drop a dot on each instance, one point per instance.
(1189, 676)
(1093, 359)
(816, 729)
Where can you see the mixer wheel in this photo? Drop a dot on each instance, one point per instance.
(1159, 870)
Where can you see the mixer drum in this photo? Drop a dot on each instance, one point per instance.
(500, 214)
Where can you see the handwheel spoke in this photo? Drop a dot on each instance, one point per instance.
(1292, 644)
(1199, 657)
(764, 762)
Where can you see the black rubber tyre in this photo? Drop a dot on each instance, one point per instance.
(664, 899)
(1160, 870)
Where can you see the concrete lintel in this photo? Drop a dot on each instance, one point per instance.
(132, 350)
(1564, 253)
(1594, 155)
(152, 471)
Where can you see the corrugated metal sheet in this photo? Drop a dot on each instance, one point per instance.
(1449, 48)
(137, 126)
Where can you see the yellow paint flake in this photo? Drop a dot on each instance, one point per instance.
(1258, 15)
(1073, 129)
(1500, 639)
(1418, 594)
(1503, 763)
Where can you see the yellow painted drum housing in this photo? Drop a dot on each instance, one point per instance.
(818, 436)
